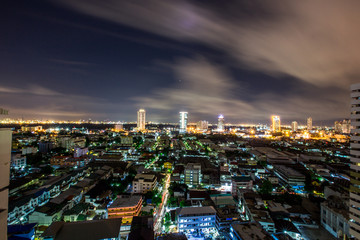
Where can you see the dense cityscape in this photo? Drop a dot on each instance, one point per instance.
(179, 181)
(179, 120)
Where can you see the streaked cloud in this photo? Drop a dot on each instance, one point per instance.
(32, 89)
(313, 41)
(205, 88)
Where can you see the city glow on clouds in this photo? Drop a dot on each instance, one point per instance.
(207, 88)
(315, 42)
(311, 44)
(43, 102)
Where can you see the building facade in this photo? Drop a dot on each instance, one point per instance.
(143, 183)
(202, 125)
(221, 121)
(5, 155)
(125, 207)
(335, 217)
(193, 173)
(201, 219)
(141, 119)
(355, 162)
(18, 161)
(275, 121)
(183, 122)
(294, 126)
(309, 123)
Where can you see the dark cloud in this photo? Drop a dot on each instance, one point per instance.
(315, 42)
(311, 46)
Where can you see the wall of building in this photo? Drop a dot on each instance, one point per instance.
(5, 155)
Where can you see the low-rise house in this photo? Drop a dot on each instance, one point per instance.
(142, 227)
(18, 161)
(241, 184)
(288, 228)
(86, 230)
(21, 232)
(290, 176)
(197, 197)
(143, 183)
(252, 230)
(47, 214)
(72, 214)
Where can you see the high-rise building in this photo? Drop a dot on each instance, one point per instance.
(309, 123)
(119, 127)
(355, 163)
(346, 126)
(275, 127)
(202, 125)
(5, 155)
(220, 126)
(294, 126)
(183, 122)
(141, 114)
(338, 127)
(343, 126)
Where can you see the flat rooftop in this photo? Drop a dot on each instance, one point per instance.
(190, 211)
(86, 230)
(146, 177)
(125, 201)
(251, 231)
(290, 171)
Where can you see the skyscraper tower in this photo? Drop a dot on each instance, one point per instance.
(275, 127)
(354, 205)
(202, 125)
(141, 114)
(183, 122)
(309, 123)
(294, 126)
(220, 126)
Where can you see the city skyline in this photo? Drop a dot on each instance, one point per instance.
(182, 119)
(100, 65)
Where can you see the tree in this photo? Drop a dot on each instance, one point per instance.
(156, 200)
(266, 187)
(308, 183)
(34, 159)
(48, 169)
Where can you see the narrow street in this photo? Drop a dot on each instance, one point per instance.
(161, 209)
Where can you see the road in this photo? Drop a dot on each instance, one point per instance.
(161, 209)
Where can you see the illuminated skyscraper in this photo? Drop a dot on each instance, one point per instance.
(354, 206)
(294, 126)
(202, 125)
(346, 126)
(309, 123)
(220, 126)
(5, 153)
(275, 127)
(141, 114)
(343, 126)
(183, 122)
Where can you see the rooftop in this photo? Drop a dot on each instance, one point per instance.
(146, 177)
(86, 230)
(124, 201)
(251, 231)
(196, 211)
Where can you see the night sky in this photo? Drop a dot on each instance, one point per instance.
(247, 60)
